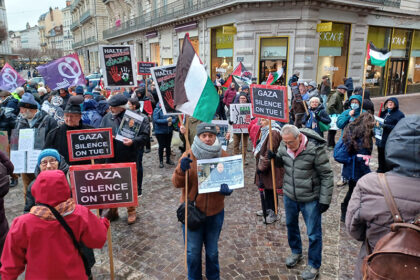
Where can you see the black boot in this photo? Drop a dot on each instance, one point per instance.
(161, 164)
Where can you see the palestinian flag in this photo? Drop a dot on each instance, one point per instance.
(273, 77)
(239, 76)
(194, 94)
(377, 57)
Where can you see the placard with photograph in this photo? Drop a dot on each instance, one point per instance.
(240, 116)
(222, 127)
(130, 126)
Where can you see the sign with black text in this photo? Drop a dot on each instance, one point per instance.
(143, 68)
(88, 144)
(118, 65)
(270, 102)
(240, 116)
(104, 185)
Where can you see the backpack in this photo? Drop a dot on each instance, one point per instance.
(397, 254)
(341, 154)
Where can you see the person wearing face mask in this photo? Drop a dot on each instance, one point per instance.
(391, 115)
(31, 117)
(126, 150)
(351, 114)
(57, 138)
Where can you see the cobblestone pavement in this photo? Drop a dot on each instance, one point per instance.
(153, 248)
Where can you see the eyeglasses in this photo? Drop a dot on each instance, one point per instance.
(46, 162)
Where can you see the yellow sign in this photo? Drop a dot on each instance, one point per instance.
(333, 38)
(229, 30)
(223, 41)
(324, 27)
(399, 39)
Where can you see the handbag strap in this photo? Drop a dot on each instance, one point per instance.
(389, 198)
(66, 226)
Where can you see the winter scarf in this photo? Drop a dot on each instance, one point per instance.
(64, 208)
(264, 135)
(204, 151)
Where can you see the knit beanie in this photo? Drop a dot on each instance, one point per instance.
(49, 153)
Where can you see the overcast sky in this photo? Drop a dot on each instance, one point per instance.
(19, 12)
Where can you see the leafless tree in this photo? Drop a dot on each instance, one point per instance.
(53, 53)
(30, 54)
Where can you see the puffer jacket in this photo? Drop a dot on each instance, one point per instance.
(390, 120)
(229, 96)
(368, 215)
(345, 117)
(309, 176)
(90, 114)
(160, 121)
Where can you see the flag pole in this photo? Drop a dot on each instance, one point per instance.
(187, 141)
(273, 175)
(243, 148)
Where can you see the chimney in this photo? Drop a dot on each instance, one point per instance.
(68, 3)
(51, 14)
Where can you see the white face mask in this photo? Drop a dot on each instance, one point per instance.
(354, 106)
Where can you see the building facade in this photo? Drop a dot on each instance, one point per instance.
(5, 49)
(89, 20)
(269, 35)
(67, 35)
(51, 29)
(29, 38)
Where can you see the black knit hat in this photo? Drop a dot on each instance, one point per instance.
(73, 105)
(206, 127)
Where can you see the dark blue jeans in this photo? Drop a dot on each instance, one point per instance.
(312, 217)
(208, 235)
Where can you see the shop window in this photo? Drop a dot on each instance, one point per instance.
(155, 53)
(221, 52)
(413, 81)
(375, 75)
(194, 43)
(167, 61)
(333, 53)
(273, 56)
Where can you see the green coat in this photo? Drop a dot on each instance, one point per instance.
(335, 103)
(309, 176)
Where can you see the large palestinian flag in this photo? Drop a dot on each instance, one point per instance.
(273, 77)
(240, 76)
(377, 57)
(194, 93)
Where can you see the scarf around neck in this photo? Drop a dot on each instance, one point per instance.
(264, 135)
(64, 208)
(204, 151)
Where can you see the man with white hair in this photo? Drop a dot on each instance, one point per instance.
(43, 94)
(17, 94)
(307, 187)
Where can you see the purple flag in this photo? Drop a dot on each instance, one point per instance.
(10, 79)
(63, 72)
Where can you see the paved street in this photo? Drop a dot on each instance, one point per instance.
(152, 248)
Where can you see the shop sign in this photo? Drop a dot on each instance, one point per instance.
(223, 41)
(330, 68)
(399, 40)
(371, 81)
(221, 70)
(333, 38)
(324, 27)
(240, 59)
(229, 30)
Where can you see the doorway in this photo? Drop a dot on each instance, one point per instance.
(397, 75)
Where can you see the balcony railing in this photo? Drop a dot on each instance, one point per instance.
(85, 16)
(74, 25)
(90, 40)
(389, 3)
(77, 44)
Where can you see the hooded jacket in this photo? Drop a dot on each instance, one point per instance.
(345, 117)
(44, 246)
(321, 115)
(368, 215)
(390, 120)
(309, 176)
(90, 115)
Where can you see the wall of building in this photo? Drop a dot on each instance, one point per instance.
(30, 38)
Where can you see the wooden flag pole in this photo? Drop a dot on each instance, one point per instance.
(243, 150)
(273, 175)
(187, 142)
(109, 238)
(304, 105)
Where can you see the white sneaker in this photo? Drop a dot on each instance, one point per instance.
(271, 217)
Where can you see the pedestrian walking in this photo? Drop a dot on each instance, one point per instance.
(211, 204)
(315, 115)
(308, 186)
(164, 126)
(368, 215)
(38, 243)
(229, 95)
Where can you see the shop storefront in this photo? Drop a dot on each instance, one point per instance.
(166, 47)
(333, 53)
(273, 56)
(194, 42)
(155, 53)
(222, 50)
(413, 81)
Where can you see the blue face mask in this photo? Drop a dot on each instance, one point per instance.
(389, 110)
(354, 106)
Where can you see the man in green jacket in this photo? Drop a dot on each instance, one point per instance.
(308, 186)
(335, 107)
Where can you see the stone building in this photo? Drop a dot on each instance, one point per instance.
(267, 35)
(5, 49)
(51, 29)
(67, 35)
(89, 19)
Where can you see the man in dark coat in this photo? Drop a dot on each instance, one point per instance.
(348, 82)
(57, 138)
(128, 148)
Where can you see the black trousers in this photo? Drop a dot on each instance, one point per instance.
(382, 166)
(331, 138)
(269, 199)
(164, 141)
(346, 201)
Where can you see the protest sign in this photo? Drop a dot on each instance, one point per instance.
(4, 142)
(26, 139)
(63, 72)
(216, 171)
(240, 115)
(87, 144)
(378, 129)
(10, 79)
(104, 185)
(164, 78)
(222, 129)
(143, 68)
(32, 160)
(18, 158)
(270, 102)
(118, 65)
(130, 126)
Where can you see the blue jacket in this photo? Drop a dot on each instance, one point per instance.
(320, 115)
(357, 167)
(160, 121)
(390, 121)
(349, 84)
(90, 115)
(345, 117)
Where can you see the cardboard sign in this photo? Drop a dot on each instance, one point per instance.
(129, 126)
(118, 65)
(164, 78)
(87, 144)
(240, 115)
(143, 68)
(270, 102)
(104, 185)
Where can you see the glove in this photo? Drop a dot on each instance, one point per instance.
(271, 154)
(323, 207)
(224, 189)
(169, 119)
(231, 122)
(185, 163)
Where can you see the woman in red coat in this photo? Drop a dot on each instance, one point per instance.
(39, 242)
